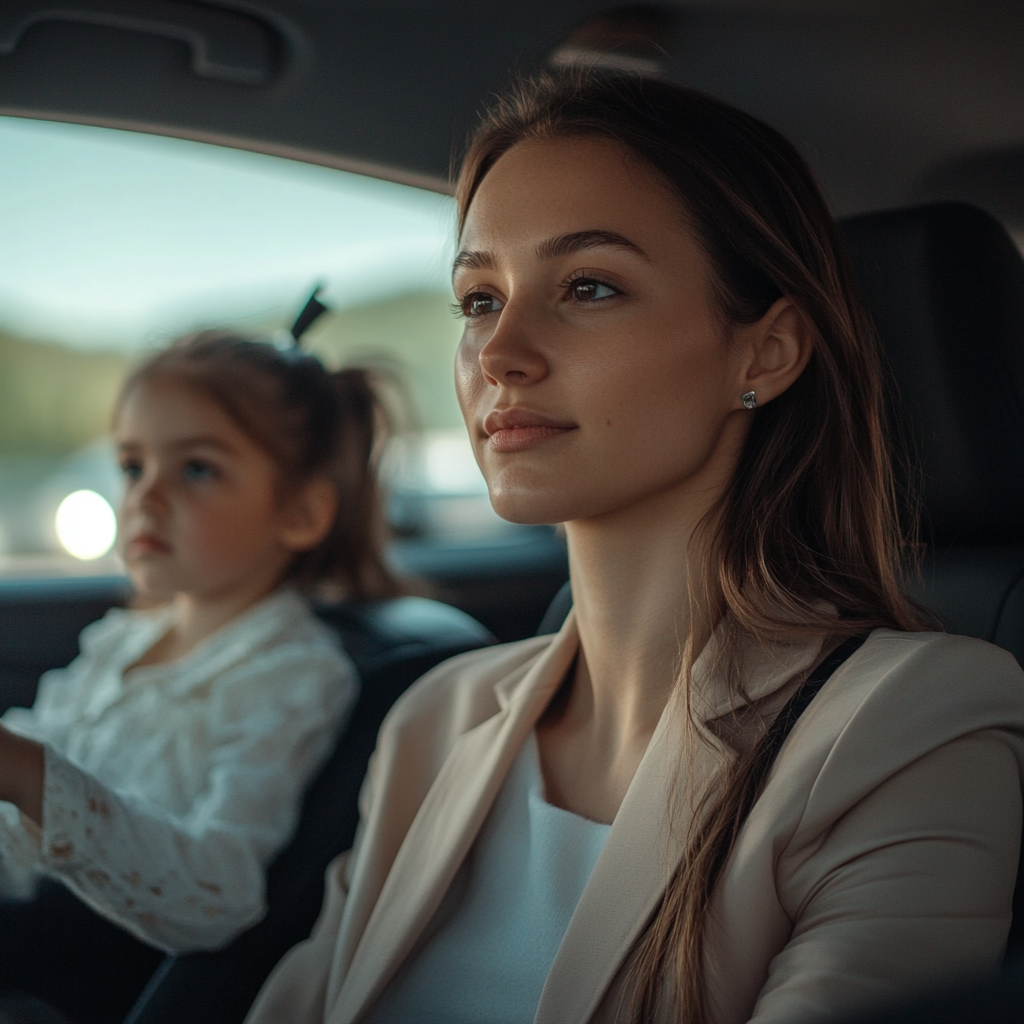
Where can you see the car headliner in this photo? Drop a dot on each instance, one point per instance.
(893, 101)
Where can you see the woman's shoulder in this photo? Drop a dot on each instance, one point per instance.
(933, 685)
(900, 697)
(955, 671)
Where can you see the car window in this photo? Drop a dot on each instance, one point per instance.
(114, 242)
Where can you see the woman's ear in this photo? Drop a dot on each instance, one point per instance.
(308, 515)
(776, 350)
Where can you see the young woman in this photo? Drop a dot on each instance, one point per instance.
(158, 774)
(664, 352)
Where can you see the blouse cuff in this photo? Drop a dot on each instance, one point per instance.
(72, 814)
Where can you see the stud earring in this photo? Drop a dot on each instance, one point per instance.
(749, 400)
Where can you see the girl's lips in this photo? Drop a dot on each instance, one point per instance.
(147, 544)
(518, 439)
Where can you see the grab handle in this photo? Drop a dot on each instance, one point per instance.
(225, 45)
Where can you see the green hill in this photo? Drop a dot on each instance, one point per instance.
(55, 399)
(416, 334)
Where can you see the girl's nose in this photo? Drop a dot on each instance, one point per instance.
(148, 493)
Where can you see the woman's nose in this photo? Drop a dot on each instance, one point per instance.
(511, 357)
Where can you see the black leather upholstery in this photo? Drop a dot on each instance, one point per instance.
(557, 610)
(392, 644)
(986, 1001)
(945, 286)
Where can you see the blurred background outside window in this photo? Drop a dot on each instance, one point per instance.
(115, 242)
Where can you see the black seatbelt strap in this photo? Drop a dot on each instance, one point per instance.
(751, 781)
(798, 703)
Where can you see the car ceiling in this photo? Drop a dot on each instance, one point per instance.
(892, 102)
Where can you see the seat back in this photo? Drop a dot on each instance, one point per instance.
(945, 286)
(392, 644)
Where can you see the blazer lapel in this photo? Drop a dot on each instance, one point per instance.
(630, 875)
(445, 827)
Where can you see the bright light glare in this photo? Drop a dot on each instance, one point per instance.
(86, 525)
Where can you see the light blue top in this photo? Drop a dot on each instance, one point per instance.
(487, 953)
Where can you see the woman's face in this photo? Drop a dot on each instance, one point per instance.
(593, 372)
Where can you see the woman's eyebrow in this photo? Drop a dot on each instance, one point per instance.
(577, 241)
(473, 259)
(561, 245)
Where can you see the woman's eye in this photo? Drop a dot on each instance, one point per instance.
(480, 304)
(197, 470)
(131, 470)
(586, 289)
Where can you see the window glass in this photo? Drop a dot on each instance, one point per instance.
(115, 242)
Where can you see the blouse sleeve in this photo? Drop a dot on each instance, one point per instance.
(195, 880)
(910, 887)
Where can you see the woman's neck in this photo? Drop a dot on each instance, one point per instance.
(630, 572)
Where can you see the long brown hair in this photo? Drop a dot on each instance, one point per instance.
(311, 422)
(809, 538)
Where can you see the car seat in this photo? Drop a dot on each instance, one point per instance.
(392, 644)
(944, 284)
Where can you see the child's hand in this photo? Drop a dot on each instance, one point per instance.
(21, 774)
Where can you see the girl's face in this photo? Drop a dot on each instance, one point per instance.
(202, 513)
(593, 372)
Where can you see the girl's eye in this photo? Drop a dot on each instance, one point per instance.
(197, 470)
(131, 470)
(587, 289)
(480, 304)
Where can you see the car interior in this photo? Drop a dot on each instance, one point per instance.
(911, 113)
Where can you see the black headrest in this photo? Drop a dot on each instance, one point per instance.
(378, 633)
(945, 286)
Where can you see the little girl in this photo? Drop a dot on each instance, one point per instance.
(158, 774)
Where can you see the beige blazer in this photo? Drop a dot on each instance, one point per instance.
(881, 856)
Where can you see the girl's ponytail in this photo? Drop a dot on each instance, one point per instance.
(350, 559)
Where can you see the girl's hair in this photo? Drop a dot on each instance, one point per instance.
(312, 423)
(809, 538)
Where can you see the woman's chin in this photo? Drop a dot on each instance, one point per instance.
(531, 508)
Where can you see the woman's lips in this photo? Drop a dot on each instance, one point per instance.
(517, 439)
(515, 430)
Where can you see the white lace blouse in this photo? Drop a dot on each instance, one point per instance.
(170, 787)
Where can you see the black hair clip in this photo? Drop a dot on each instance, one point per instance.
(311, 312)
